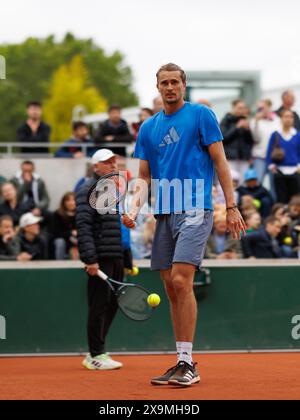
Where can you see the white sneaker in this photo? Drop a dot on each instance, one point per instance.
(102, 362)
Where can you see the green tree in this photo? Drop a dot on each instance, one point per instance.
(31, 65)
(69, 88)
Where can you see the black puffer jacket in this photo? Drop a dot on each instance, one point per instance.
(238, 142)
(99, 236)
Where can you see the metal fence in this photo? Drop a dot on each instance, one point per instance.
(13, 149)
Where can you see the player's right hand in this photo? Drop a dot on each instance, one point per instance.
(129, 221)
(92, 269)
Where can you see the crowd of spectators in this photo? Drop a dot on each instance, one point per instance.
(263, 150)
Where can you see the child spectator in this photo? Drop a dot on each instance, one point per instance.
(263, 243)
(261, 196)
(220, 244)
(253, 222)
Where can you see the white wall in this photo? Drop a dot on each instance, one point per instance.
(60, 175)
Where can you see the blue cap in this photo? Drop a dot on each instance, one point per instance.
(250, 174)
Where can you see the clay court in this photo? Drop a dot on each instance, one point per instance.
(225, 377)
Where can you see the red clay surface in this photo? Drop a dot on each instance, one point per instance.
(226, 377)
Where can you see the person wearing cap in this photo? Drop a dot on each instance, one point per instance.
(31, 240)
(261, 196)
(100, 247)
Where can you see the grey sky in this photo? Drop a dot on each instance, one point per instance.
(196, 34)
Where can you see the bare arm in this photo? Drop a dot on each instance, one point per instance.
(235, 222)
(140, 195)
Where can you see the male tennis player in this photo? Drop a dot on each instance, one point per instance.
(183, 142)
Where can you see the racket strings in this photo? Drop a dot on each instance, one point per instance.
(108, 192)
(133, 302)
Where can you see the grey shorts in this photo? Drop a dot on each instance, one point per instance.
(181, 238)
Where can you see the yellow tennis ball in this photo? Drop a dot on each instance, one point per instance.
(257, 204)
(288, 240)
(153, 300)
(135, 271)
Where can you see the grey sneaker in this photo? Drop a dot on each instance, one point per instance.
(185, 375)
(164, 379)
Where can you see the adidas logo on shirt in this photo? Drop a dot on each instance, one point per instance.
(171, 138)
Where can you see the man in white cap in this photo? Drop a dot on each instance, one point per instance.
(100, 247)
(32, 242)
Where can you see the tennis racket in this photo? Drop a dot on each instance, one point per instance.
(131, 298)
(107, 193)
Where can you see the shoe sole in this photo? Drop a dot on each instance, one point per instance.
(155, 382)
(88, 367)
(184, 384)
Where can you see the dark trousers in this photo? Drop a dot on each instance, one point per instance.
(286, 186)
(102, 304)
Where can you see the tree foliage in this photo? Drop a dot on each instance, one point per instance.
(69, 88)
(31, 65)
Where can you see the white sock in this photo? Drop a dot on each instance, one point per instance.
(184, 352)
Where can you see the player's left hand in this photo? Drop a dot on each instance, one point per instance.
(235, 223)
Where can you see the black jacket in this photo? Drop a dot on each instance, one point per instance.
(260, 245)
(258, 193)
(22, 208)
(296, 117)
(237, 142)
(120, 133)
(99, 236)
(37, 248)
(9, 250)
(25, 135)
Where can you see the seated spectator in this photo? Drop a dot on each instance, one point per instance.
(261, 196)
(238, 140)
(72, 147)
(247, 206)
(31, 188)
(283, 158)
(114, 130)
(287, 238)
(253, 222)
(288, 102)
(88, 175)
(145, 114)
(263, 243)
(10, 249)
(11, 206)
(220, 244)
(263, 126)
(34, 130)
(278, 210)
(294, 210)
(32, 242)
(158, 105)
(64, 229)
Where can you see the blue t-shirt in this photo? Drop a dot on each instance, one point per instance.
(176, 148)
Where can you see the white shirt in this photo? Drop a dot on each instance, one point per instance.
(262, 131)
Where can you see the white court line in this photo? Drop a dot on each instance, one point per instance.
(150, 353)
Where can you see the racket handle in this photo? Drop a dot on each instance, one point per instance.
(102, 275)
